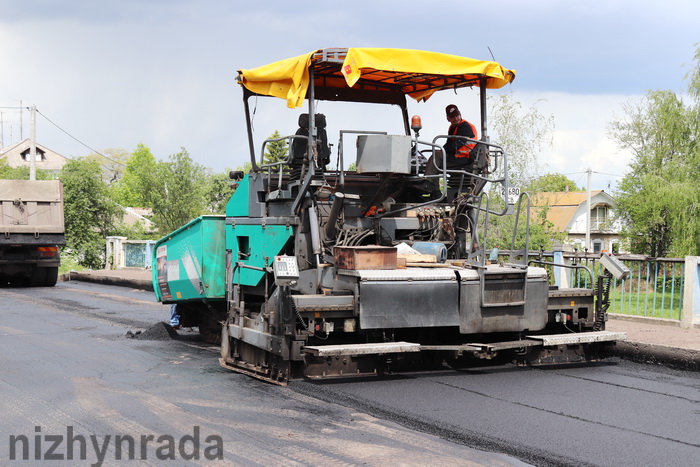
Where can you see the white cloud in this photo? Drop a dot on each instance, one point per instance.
(163, 72)
(581, 138)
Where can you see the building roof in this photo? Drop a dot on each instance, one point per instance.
(563, 206)
(17, 155)
(133, 216)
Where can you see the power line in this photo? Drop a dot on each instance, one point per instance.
(595, 172)
(76, 139)
(611, 175)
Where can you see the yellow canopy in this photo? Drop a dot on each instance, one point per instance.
(414, 72)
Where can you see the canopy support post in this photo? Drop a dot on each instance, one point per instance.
(484, 118)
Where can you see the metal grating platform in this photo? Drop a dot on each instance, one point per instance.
(580, 338)
(362, 349)
(408, 274)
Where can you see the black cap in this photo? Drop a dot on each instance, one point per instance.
(451, 110)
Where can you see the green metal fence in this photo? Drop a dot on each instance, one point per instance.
(654, 287)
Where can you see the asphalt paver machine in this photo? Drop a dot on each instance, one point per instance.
(320, 271)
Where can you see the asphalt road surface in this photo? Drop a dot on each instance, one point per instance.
(66, 364)
(616, 414)
(71, 382)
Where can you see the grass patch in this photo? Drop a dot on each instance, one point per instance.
(659, 305)
(69, 263)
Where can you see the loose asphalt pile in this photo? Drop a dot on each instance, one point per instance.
(158, 332)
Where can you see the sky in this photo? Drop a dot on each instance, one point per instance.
(113, 74)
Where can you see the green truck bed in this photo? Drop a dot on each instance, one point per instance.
(189, 263)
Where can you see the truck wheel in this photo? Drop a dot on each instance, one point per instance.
(38, 277)
(51, 276)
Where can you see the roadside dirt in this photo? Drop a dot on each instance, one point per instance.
(670, 335)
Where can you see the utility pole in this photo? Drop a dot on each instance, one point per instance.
(32, 147)
(588, 212)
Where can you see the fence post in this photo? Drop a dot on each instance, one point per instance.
(691, 292)
(114, 255)
(561, 279)
(109, 251)
(149, 253)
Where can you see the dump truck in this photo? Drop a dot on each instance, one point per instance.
(317, 271)
(31, 219)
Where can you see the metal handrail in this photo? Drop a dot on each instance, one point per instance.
(481, 252)
(524, 252)
(281, 164)
(560, 265)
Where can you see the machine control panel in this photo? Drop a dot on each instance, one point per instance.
(286, 270)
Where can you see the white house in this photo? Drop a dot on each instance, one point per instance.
(567, 211)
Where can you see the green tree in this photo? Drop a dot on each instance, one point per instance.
(88, 211)
(21, 173)
(276, 151)
(659, 198)
(542, 232)
(136, 231)
(552, 182)
(137, 185)
(219, 189)
(180, 192)
(113, 162)
(523, 134)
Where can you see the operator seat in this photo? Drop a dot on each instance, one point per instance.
(299, 145)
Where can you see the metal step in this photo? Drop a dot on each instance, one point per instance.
(404, 347)
(580, 338)
(484, 347)
(361, 349)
